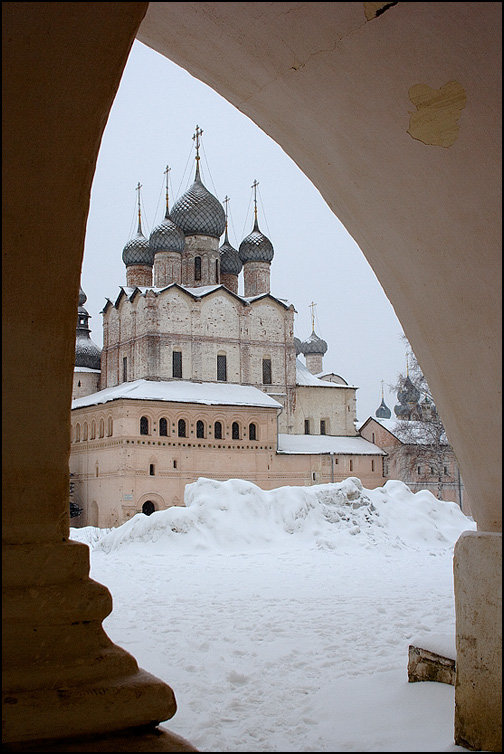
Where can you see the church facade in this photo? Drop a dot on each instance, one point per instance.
(195, 379)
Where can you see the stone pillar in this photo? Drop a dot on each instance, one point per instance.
(256, 278)
(477, 567)
(314, 362)
(139, 274)
(229, 281)
(167, 268)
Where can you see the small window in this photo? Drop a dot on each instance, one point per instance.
(101, 431)
(163, 427)
(200, 429)
(445, 469)
(197, 268)
(252, 432)
(307, 426)
(85, 431)
(235, 431)
(79, 384)
(177, 364)
(322, 427)
(432, 470)
(93, 430)
(221, 368)
(372, 437)
(174, 464)
(97, 470)
(144, 425)
(266, 370)
(419, 470)
(77, 433)
(125, 369)
(218, 431)
(372, 465)
(151, 469)
(181, 428)
(351, 465)
(109, 426)
(217, 270)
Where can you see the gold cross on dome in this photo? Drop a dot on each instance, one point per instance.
(196, 139)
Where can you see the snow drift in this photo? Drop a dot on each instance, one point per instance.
(237, 515)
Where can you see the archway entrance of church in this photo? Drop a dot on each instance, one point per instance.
(148, 507)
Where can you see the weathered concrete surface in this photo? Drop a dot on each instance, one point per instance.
(424, 665)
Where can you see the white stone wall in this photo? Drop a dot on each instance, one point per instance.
(336, 405)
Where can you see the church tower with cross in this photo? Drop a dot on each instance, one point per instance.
(199, 379)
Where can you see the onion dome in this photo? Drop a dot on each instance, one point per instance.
(256, 247)
(137, 250)
(230, 262)
(198, 212)
(166, 237)
(383, 411)
(87, 353)
(313, 344)
(297, 344)
(408, 392)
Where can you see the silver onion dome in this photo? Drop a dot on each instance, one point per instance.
(82, 297)
(230, 262)
(297, 344)
(383, 411)
(198, 212)
(256, 247)
(408, 392)
(87, 353)
(313, 344)
(166, 237)
(138, 251)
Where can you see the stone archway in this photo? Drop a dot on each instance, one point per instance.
(148, 508)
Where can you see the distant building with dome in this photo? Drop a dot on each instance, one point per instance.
(195, 380)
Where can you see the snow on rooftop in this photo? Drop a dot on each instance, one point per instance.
(305, 378)
(326, 444)
(179, 391)
(87, 369)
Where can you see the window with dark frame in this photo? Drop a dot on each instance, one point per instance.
(125, 369)
(144, 425)
(322, 427)
(181, 428)
(307, 426)
(197, 268)
(151, 469)
(218, 431)
(252, 432)
(221, 368)
(200, 429)
(266, 371)
(163, 427)
(177, 364)
(235, 431)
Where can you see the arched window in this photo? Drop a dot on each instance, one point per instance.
(218, 430)
(148, 507)
(163, 427)
(102, 428)
(197, 268)
(93, 430)
(152, 469)
(109, 426)
(235, 431)
(85, 431)
(77, 433)
(217, 270)
(144, 425)
(252, 432)
(181, 428)
(200, 429)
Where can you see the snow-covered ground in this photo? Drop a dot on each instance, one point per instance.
(282, 619)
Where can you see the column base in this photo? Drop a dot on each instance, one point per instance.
(477, 567)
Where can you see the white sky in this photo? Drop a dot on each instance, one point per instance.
(151, 125)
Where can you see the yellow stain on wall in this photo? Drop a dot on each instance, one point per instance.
(370, 9)
(435, 121)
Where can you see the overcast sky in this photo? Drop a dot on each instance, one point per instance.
(151, 125)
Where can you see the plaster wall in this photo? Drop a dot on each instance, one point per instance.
(336, 405)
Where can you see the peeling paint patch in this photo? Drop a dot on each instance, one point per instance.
(372, 10)
(436, 120)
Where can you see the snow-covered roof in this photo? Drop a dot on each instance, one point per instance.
(409, 432)
(87, 369)
(179, 391)
(305, 378)
(326, 444)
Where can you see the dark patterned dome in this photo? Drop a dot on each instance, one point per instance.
(297, 344)
(82, 297)
(198, 212)
(313, 344)
(87, 353)
(166, 237)
(408, 392)
(230, 262)
(138, 251)
(383, 411)
(256, 247)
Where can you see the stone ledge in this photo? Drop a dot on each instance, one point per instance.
(144, 738)
(425, 665)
